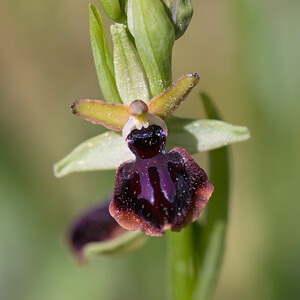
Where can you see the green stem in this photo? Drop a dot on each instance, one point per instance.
(181, 266)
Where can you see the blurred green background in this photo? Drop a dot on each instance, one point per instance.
(247, 53)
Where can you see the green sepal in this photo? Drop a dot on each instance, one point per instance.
(102, 57)
(108, 150)
(154, 37)
(180, 13)
(130, 78)
(103, 152)
(203, 135)
(124, 243)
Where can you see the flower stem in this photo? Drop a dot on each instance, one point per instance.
(181, 266)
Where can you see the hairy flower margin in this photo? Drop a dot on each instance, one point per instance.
(163, 189)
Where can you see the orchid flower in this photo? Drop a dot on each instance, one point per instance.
(154, 191)
(157, 190)
(158, 185)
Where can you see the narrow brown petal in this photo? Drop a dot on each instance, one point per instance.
(111, 115)
(166, 102)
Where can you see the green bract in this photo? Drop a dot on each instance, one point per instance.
(102, 57)
(154, 37)
(130, 78)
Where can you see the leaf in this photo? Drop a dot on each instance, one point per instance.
(111, 115)
(166, 102)
(180, 12)
(203, 135)
(102, 57)
(154, 37)
(130, 78)
(212, 240)
(103, 152)
(196, 255)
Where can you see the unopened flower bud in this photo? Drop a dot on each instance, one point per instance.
(180, 13)
(113, 9)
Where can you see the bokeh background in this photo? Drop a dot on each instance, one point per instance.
(248, 55)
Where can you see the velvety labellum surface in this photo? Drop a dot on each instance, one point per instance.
(158, 190)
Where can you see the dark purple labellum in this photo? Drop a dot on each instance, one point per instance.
(158, 190)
